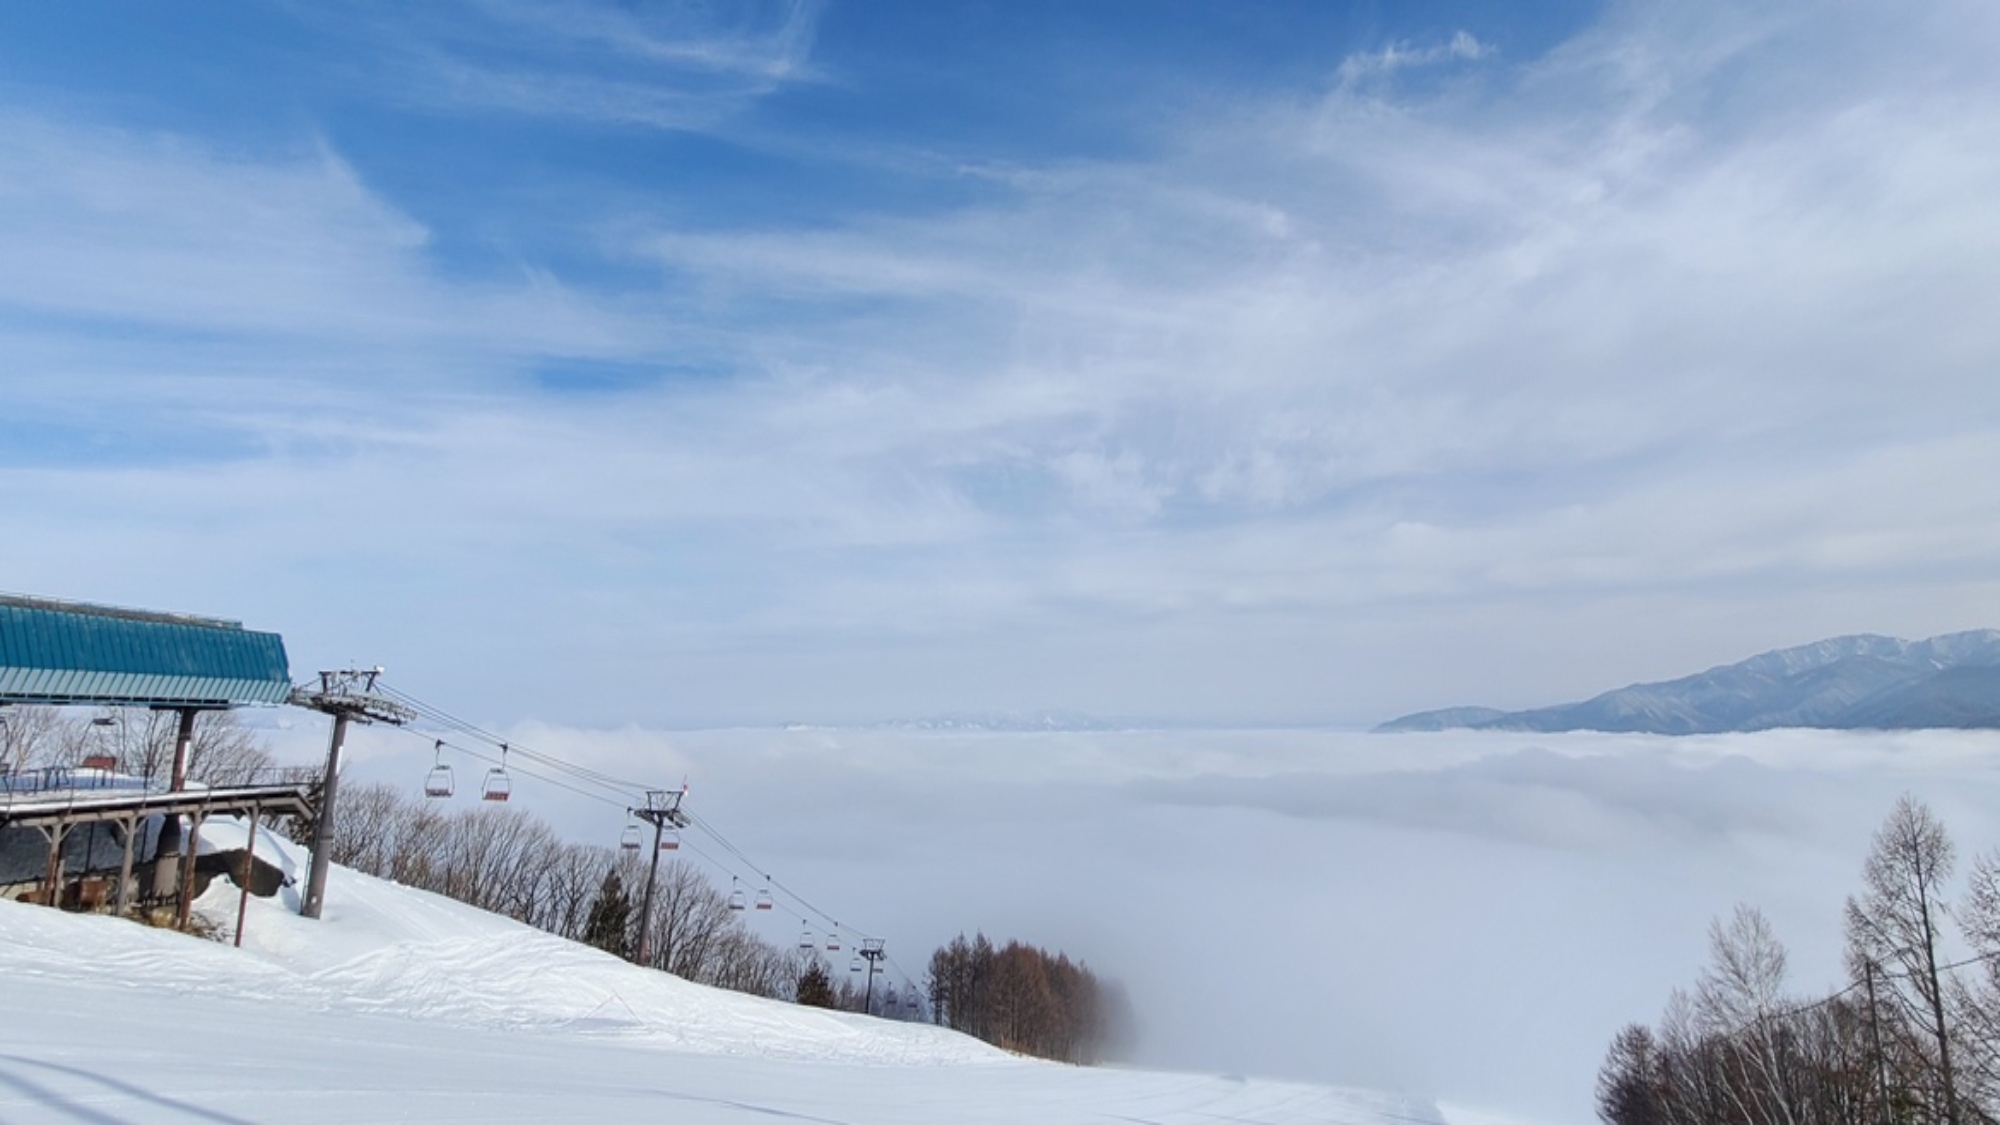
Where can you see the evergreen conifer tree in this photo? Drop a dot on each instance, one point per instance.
(610, 924)
(815, 988)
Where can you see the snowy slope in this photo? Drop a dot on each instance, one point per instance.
(404, 1006)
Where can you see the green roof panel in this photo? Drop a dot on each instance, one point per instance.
(66, 652)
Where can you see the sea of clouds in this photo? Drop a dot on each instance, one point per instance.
(1467, 915)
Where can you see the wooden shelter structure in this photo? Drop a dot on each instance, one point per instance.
(71, 653)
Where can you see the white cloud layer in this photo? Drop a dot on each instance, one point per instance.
(1464, 915)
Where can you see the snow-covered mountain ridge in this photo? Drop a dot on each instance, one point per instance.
(1862, 682)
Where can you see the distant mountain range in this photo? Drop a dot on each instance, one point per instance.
(1847, 683)
(1003, 722)
(1009, 722)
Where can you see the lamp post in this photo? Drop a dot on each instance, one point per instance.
(98, 726)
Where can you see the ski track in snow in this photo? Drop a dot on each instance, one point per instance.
(405, 1006)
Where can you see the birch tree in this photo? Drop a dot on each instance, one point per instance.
(1894, 931)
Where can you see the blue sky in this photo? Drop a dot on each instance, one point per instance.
(690, 364)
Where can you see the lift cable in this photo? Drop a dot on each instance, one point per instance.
(716, 862)
(581, 773)
(724, 867)
(492, 759)
(578, 773)
(626, 789)
(773, 880)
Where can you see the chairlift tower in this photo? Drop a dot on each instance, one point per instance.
(662, 810)
(349, 696)
(872, 949)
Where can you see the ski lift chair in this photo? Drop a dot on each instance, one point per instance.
(629, 839)
(736, 900)
(438, 782)
(499, 786)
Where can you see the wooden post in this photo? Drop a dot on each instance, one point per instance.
(183, 743)
(184, 909)
(166, 858)
(52, 879)
(131, 827)
(249, 870)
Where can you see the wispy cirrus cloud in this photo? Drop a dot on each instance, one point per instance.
(773, 43)
(1463, 46)
(677, 66)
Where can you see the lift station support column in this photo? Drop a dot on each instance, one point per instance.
(348, 696)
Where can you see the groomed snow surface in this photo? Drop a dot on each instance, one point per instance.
(401, 1005)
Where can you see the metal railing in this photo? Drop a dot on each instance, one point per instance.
(78, 779)
(56, 779)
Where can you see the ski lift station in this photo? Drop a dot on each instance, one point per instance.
(82, 835)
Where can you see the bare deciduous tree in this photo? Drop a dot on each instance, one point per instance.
(1740, 999)
(1629, 1087)
(31, 737)
(508, 861)
(140, 743)
(1022, 998)
(1896, 924)
(1905, 1043)
(1978, 1000)
(364, 835)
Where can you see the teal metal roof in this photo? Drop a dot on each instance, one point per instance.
(67, 652)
